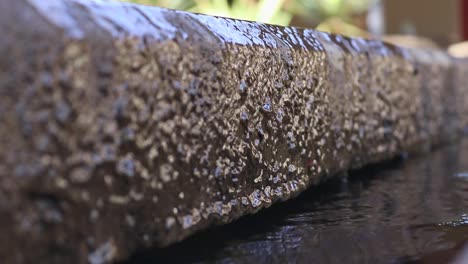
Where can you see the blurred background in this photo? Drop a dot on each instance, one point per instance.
(441, 22)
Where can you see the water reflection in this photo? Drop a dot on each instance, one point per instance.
(414, 211)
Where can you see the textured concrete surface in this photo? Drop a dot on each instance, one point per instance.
(124, 127)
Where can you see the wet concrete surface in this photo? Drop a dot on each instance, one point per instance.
(409, 210)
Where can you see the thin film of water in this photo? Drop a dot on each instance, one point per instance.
(404, 211)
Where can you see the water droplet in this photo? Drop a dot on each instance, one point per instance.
(119, 107)
(170, 221)
(260, 130)
(187, 221)
(244, 116)
(164, 172)
(94, 215)
(103, 254)
(126, 166)
(255, 198)
(279, 115)
(218, 172)
(276, 179)
(257, 142)
(267, 106)
(46, 80)
(242, 87)
(130, 220)
(275, 167)
(279, 191)
(291, 168)
(107, 153)
(218, 207)
(62, 111)
(80, 174)
(235, 171)
(50, 210)
(128, 134)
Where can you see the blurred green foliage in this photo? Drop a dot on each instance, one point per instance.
(267, 11)
(335, 15)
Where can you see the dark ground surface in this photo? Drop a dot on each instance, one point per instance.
(411, 210)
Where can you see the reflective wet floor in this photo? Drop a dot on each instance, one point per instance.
(412, 210)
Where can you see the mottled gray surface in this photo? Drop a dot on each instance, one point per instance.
(125, 127)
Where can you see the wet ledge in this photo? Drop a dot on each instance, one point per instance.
(126, 127)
